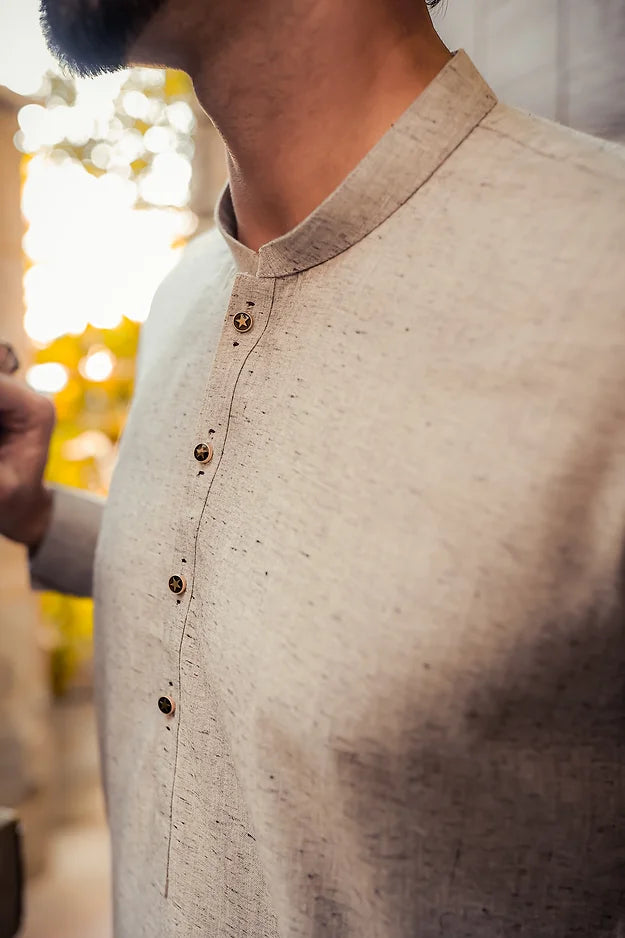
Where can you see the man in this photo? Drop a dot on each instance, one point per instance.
(359, 579)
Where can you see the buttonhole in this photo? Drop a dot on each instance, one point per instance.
(201, 472)
(171, 683)
(178, 601)
(168, 728)
(249, 303)
(211, 431)
(235, 343)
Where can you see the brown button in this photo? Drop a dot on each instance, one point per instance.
(177, 584)
(203, 452)
(243, 322)
(166, 706)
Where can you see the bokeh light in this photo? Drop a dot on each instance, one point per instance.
(48, 377)
(97, 365)
(106, 171)
(24, 58)
(105, 199)
(95, 256)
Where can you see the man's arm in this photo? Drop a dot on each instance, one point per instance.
(59, 526)
(63, 560)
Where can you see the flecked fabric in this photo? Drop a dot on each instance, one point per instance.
(65, 559)
(398, 663)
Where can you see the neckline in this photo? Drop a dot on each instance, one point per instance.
(404, 158)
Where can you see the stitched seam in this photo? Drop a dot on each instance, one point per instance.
(293, 273)
(186, 618)
(559, 158)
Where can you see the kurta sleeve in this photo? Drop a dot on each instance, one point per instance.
(64, 560)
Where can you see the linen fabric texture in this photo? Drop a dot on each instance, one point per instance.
(398, 662)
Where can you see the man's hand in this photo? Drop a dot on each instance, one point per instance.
(26, 424)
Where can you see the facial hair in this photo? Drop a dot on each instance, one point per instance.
(93, 37)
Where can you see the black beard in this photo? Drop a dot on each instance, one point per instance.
(93, 37)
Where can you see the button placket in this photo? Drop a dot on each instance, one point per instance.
(251, 300)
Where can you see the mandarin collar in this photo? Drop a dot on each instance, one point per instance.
(404, 158)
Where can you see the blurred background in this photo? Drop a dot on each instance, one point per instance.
(102, 182)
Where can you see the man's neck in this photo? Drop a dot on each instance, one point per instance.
(300, 99)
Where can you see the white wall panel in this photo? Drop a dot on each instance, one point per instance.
(562, 59)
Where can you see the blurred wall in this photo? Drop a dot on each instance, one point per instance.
(25, 726)
(561, 59)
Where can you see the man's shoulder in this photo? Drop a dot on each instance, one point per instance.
(545, 200)
(524, 215)
(194, 292)
(543, 141)
(205, 266)
(205, 259)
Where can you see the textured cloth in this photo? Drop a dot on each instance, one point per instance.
(398, 663)
(65, 558)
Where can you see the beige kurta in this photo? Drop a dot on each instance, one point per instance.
(397, 666)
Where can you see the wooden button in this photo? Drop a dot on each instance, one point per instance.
(203, 452)
(166, 706)
(177, 584)
(243, 322)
